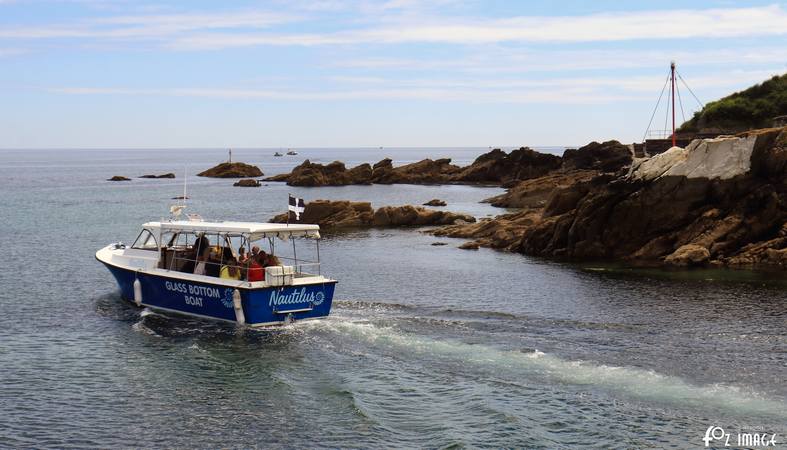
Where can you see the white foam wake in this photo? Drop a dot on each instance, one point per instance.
(634, 382)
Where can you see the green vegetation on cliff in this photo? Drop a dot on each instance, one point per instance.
(754, 107)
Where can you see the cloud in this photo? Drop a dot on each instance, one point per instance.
(148, 26)
(606, 27)
(406, 21)
(500, 60)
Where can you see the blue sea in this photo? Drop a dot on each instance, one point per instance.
(426, 347)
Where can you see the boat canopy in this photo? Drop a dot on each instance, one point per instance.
(254, 230)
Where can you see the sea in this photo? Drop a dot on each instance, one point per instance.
(426, 346)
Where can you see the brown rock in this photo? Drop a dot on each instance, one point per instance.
(232, 170)
(426, 171)
(499, 167)
(333, 174)
(119, 178)
(343, 214)
(247, 182)
(609, 156)
(435, 202)
(688, 255)
(409, 215)
(470, 246)
(166, 175)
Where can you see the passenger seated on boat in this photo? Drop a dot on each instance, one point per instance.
(229, 270)
(271, 260)
(255, 271)
(242, 256)
(254, 252)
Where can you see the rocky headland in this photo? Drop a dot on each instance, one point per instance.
(232, 170)
(119, 178)
(495, 167)
(345, 214)
(718, 202)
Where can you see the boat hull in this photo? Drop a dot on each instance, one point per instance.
(260, 306)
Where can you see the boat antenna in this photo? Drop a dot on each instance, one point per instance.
(185, 182)
(176, 210)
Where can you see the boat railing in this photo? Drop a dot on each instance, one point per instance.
(302, 268)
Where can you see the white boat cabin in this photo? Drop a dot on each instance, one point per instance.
(211, 251)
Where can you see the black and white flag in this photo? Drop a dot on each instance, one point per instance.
(296, 207)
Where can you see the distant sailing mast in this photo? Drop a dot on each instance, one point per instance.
(672, 81)
(671, 95)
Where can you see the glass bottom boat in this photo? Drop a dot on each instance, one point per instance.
(195, 267)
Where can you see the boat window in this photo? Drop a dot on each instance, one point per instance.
(145, 241)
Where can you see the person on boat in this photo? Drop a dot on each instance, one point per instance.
(255, 271)
(201, 246)
(229, 270)
(254, 252)
(199, 266)
(242, 256)
(271, 260)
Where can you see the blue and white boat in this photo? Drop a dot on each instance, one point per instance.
(157, 272)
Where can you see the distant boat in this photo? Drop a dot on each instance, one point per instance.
(292, 152)
(277, 154)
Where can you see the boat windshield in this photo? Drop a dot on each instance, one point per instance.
(145, 241)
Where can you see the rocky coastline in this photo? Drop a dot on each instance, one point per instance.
(496, 167)
(718, 202)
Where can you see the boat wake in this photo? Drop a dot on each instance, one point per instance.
(637, 383)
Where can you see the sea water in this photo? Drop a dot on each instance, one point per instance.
(426, 346)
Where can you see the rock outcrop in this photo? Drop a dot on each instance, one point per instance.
(719, 201)
(345, 214)
(119, 178)
(435, 202)
(247, 182)
(166, 175)
(333, 174)
(232, 170)
(427, 171)
(499, 167)
(609, 156)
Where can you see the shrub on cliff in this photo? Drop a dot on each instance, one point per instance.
(752, 108)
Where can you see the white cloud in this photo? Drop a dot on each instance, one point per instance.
(408, 23)
(518, 60)
(666, 24)
(156, 26)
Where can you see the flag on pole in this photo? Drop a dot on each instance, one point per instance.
(297, 207)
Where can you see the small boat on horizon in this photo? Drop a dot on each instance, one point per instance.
(190, 267)
(292, 152)
(277, 154)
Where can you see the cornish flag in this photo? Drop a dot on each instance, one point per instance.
(296, 207)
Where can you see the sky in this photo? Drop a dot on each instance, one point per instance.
(358, 73)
